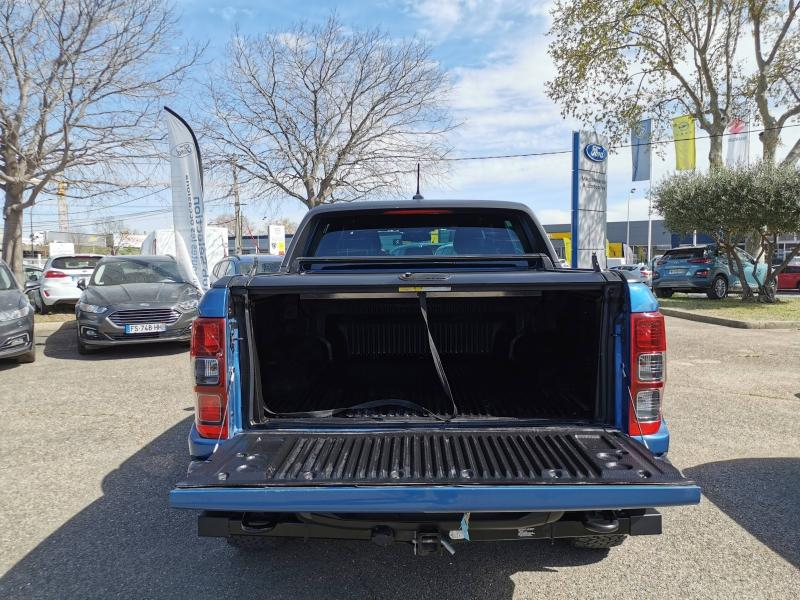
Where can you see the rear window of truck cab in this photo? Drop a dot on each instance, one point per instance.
(424, 232)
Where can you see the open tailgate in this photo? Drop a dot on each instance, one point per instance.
(433, 470)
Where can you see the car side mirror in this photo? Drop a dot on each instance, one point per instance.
(82, 284)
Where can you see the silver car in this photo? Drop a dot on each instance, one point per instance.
(59, 281)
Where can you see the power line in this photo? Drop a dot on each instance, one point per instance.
(556, 152)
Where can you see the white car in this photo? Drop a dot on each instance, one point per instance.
(59, 281)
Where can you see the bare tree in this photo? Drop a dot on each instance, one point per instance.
(79, 96)
(322, 114)
(228, 220)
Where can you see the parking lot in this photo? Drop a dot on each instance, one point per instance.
(92, 445)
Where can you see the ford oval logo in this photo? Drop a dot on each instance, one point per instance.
(182, 150)
(595, 152)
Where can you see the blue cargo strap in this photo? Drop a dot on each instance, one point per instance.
(465, 526)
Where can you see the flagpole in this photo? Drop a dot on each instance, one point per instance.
(650, 213)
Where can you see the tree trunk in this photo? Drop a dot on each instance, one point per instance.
(715, 151)
(769, 144)
(12, 232)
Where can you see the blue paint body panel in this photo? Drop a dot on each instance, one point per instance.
(214, 303)
(658, 442)
(199, 447)
(433, 499)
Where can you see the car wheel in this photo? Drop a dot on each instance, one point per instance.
(718, 289)
(43, 308)
(663, 293)
(598, 542)
(28, 357)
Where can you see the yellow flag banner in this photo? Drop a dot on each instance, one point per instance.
(683, 134)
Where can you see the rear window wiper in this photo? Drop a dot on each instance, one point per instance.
(332, 412)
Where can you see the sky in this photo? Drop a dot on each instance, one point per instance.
(495, 55)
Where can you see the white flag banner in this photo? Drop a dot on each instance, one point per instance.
(188, 212)
(738, 143)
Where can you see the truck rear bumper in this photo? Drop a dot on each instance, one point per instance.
(430, 499)
(396, 528)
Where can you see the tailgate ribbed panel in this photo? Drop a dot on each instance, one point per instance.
(513, 456)
(433, 457)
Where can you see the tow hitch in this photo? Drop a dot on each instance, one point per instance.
(430, 543)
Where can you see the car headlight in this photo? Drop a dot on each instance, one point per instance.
(188, 305)
(17, 313)
(91, 308)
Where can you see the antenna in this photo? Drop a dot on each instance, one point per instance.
(417, 196)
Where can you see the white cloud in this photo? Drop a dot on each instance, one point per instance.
(464, 18)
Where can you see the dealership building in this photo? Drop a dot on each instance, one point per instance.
(662, 238)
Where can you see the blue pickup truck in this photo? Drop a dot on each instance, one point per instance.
(468, 389)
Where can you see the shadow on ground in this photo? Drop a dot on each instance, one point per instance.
(761, 495)
(130, 544)
(62, 344)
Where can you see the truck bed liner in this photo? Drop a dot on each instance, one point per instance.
(518, 456)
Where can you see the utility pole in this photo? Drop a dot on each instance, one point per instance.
(63, 211)
(237, 209)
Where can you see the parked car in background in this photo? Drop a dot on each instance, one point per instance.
(135, 300)
(16, 319)
(639, 270)
(32, 273)
(789, 278)
(702, 269)
(246, 264)
(59, 281)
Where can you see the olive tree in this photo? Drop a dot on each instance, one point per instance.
(732, 205)
(321, 114)
(81, 85)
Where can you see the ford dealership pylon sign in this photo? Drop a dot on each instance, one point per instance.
(589, 198)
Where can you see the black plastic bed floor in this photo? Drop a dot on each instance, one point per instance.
(480, 390)
(499, 456)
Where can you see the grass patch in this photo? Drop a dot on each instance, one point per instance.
(787, 309)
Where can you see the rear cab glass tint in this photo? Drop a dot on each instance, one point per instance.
(687, 253)
(75, 262)
(424, 233)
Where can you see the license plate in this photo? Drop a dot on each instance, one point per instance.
(677, 271)
(145, 328)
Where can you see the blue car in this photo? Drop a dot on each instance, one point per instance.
(702, 269)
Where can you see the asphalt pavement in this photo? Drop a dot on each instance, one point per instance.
(90, 447)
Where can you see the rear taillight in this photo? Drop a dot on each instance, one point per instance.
(53, 274)
(648, 372)
(700, 261)
(701, 273)
(208, 368)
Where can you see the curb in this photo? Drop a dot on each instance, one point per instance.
(690, 316)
